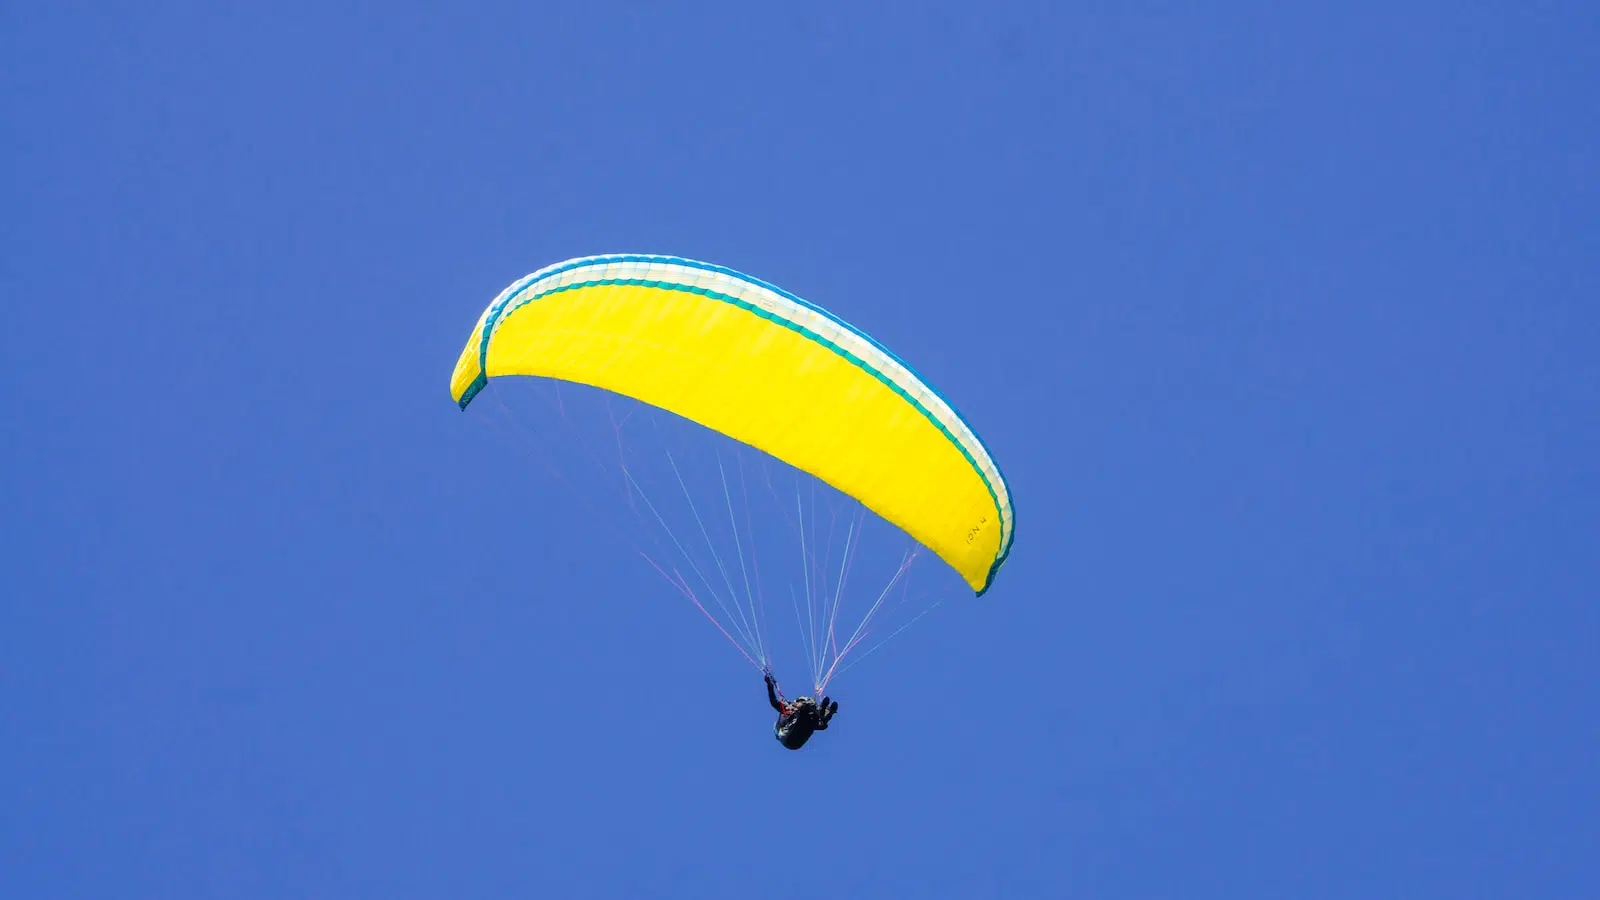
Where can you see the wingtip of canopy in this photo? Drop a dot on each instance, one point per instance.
(477, 385)
(994, 570)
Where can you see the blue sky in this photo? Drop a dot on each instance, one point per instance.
(1280, 321)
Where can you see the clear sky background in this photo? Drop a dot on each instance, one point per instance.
(1281, 318)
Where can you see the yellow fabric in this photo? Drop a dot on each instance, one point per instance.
(466, 370)
(761, 382)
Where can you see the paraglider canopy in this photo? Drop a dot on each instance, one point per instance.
(762, 366)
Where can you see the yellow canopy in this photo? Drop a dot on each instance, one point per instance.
(764, 367)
